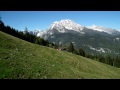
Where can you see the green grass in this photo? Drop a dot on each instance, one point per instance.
(23, 60)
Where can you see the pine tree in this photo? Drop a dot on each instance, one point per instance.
(81, 52)
(71, 48)
(117, 61)
(2, 26)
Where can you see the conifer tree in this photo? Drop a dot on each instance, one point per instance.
(71, 47)
(81, 52)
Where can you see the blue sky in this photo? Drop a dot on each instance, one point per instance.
(42, 19)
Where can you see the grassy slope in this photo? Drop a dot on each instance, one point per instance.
(21, 59)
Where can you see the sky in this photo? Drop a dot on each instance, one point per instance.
(41, 20)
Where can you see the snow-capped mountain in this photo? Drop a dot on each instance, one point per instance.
(69, 26)
(65, 25)
(38, 33)
(104, 29)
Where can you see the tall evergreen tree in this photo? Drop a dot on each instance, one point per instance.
(2, 27)
(81, 52)
(71, 47)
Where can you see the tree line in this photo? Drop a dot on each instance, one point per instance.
(25, 35)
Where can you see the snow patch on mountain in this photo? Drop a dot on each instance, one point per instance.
(117, 39)
(99, 50)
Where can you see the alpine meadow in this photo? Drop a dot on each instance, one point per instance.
(20, 59)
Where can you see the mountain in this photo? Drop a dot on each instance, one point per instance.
(103, 29)
(20, 59)
(66, 25)
(69, 26)
(63, 26)
(38, 33)
(94, 39)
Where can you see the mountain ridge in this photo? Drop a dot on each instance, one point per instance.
(69, 26)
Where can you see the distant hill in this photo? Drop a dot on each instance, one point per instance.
(20, 59)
